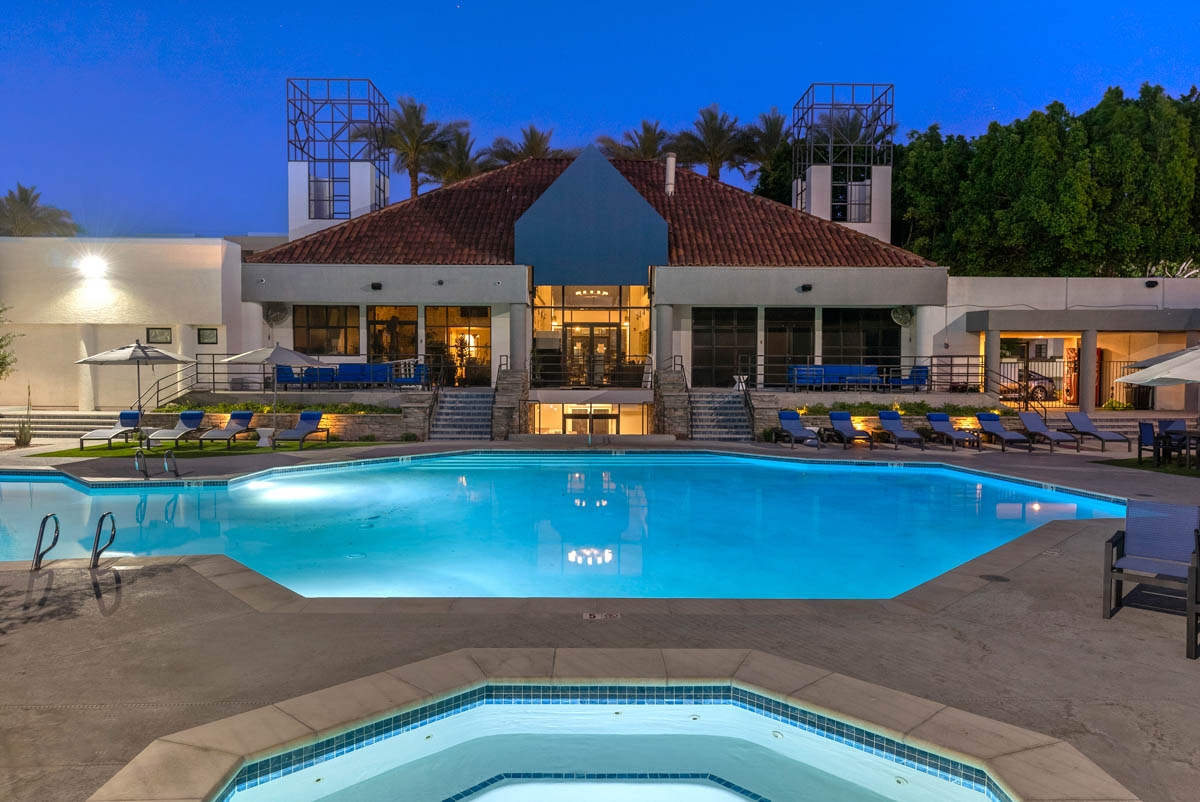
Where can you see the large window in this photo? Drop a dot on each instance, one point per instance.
(789, 333)
(588, 418)
(458, 344)
(590, 336)
(724, 343)
(325, 330)
(851, 188)
(860, 336)
(391, 333)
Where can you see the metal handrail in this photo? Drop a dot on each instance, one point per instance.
(139, 463)
(38, 552)
(97, 550)
(174, 466)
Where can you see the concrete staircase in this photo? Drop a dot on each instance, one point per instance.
(53, 423)
(463, 414)
(720, 416)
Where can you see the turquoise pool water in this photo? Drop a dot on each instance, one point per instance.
(565, 524)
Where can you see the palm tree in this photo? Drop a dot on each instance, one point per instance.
(649, 143)
(535, 144)
(459, 160)
(841, 136)
(716, 142)
(413, 140)
(22, 215)
(764, 139)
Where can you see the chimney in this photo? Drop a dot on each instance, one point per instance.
(670, 174)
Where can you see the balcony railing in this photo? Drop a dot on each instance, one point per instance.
(939, 373)
(596, 371)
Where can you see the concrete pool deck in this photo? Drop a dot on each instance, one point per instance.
(99, 664)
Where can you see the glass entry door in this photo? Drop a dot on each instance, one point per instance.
(592, 353)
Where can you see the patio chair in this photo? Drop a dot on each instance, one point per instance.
(918, 377)
(238, 423)
(844, 431)
(990, 425)
(187, 427)
(1174, 427)
(1082, 426)
(309, 425)
(810, 376)
(793, 429)
(944, 430)
(351, 373)
(1159, 547)
(128, 422)
(889, 419)
(1036, 429)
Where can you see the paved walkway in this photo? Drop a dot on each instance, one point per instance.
(95, 666)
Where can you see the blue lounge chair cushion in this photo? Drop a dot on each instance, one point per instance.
(191, 419)
(241, 417)
(1082, 423)
(989, 422)
(890, 420)
(129, 419)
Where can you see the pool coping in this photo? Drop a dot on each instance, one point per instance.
(197, 764)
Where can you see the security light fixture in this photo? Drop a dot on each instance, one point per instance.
(804, 288)
(376, 285)
(1151, 283)
(92, 266)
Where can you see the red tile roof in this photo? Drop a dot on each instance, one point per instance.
(471, 223)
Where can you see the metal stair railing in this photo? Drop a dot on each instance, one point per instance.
(97, 549)
(38, 551)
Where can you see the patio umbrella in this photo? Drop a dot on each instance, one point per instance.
(1181, 369)
(275, 355)
(136, 354)
(1154, 360)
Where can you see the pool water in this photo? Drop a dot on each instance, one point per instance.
(565, 524)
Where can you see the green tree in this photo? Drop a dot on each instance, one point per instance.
(7, 359)
(23, 215)
(763, 141)
(775, 178)
(534, 144)
(716, 141)
(413, 139)
(459, 160)
(927, 176)
(651, 142)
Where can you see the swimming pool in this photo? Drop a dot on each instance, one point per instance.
(564, 524)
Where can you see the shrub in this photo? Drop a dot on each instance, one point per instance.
(1113, 404)
(768, 434)
(254, 406)
(23, 435)
(409, 437)
(367, 438)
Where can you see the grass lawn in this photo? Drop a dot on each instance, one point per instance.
(1148, 465)
(188, 450)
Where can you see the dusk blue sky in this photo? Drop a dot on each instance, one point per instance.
(168, 117)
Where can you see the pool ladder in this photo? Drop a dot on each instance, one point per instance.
(170, 464)
(39, 553)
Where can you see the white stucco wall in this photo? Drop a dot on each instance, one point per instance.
(62, 315)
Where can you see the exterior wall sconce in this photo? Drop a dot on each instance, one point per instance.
(1151, 283)
(804, 288)
(375, 285)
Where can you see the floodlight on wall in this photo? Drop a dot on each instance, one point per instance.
(1151, 283)
(804, 288)
(92, 265)
(376, 285)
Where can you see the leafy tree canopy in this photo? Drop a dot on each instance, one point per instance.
(22, 214)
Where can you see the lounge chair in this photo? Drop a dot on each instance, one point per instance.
(1159, 547)
(793, 429)
(889, 419)
(1036, 429)
(1082, 426)
(989, 424)
(187, 427)
(310, 424)
(128, 422)
(944, 430)
(844, 431)
(238, 423)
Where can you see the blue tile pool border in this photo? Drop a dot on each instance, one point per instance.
(557, 453)
(950, 770)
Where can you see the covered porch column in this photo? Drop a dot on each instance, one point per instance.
(1087, 370)
(1191, 392)
(664, 331)
(991, 360)
(518, 327)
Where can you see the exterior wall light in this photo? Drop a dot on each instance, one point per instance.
(804, 288)
(376, 285)
(92, 266)
(1151, 283)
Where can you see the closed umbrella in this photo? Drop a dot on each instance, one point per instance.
(136, 354)
(275, 355)
(1181, 369)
